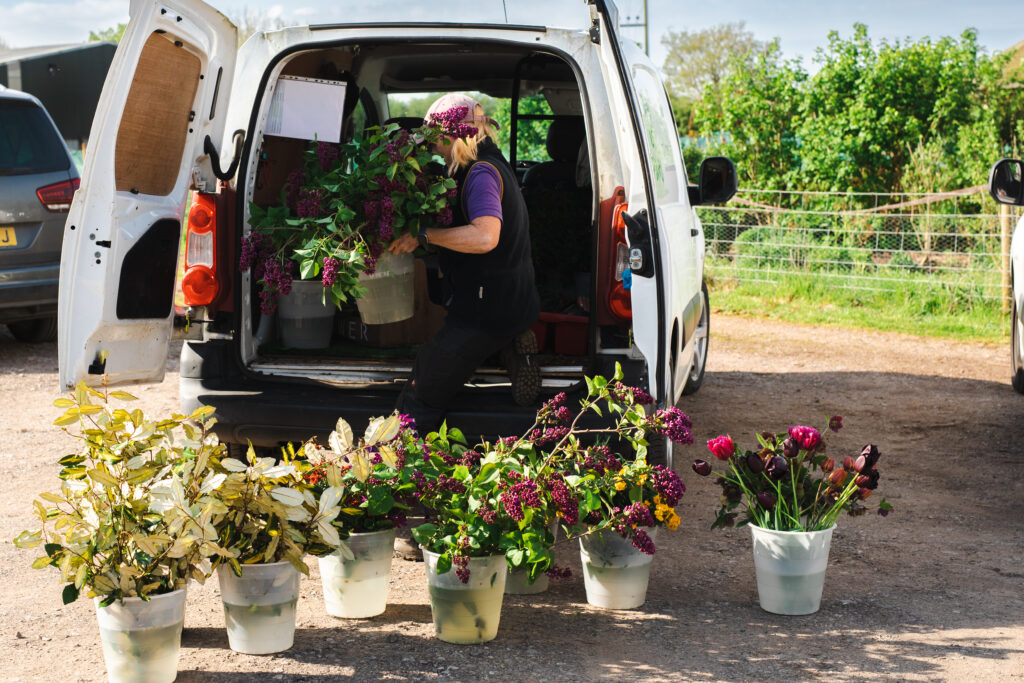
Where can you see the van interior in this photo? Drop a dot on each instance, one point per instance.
(536, 97)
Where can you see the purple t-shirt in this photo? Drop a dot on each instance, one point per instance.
(483, 192)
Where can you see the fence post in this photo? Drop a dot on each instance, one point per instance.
(1005, 221)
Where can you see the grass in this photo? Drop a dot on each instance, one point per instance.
(916, 304)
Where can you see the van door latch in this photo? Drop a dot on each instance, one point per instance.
(636, 259)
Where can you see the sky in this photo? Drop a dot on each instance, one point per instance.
(800, 25)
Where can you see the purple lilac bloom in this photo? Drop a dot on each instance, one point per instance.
(668, 485)
(327, 154)
(672, 423)
(330, 274)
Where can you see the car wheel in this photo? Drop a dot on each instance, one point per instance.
(1016, 354)
(700, 345)
(41, 330)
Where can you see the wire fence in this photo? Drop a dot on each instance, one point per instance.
(957, 242)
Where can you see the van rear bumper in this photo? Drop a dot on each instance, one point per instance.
(269, 411)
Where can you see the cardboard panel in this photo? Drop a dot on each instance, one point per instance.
(154, 128)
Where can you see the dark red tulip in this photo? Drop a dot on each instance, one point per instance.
(777, 467)
(837, 478)
(702, 467)
(863, 480)
(848, 464)
(871, 454)
(860, 463)
(790, 447)
(766, 499)
(755, 463)
(835, 423)
(828, 465)
(863, 493)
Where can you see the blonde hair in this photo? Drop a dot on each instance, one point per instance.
(464, 150)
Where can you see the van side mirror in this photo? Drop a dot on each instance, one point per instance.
(716, 182)
(1006, 182)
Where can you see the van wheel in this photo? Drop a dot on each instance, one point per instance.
(32, 331)
(700, 345)
(1016, 356)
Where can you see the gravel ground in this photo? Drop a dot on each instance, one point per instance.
(934, 591)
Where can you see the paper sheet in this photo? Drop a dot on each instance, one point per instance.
(307, 109)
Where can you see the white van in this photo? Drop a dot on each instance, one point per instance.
(179, 92)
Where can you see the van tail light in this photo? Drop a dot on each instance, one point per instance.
(57, 197)
(619, 301)
(201, 284)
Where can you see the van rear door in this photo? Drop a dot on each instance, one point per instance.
(166, 92)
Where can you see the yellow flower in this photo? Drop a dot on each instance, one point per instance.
(673, 522)
(661, 511)
(657, 499)
(620, 485)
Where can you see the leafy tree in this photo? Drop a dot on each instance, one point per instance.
(874, 118)
(111, 35)
(750, 117)
(699, 58)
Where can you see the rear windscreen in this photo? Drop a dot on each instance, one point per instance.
(28, 141)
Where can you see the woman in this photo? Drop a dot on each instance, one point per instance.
(485, 264)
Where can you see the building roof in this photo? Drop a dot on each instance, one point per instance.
(45, 50)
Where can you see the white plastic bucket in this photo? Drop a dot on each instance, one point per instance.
(142, 639)
(790, 568)
(306, 316)
(466, 613)
(390, 291)
(518, 583)
(615, 574)
(358, 588)
(259, 606)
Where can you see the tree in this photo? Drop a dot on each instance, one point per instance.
(699, 58)
(111, 35)
(750, 116)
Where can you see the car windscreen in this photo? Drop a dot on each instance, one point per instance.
(28, 141)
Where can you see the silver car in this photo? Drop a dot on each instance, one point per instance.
(37, 182)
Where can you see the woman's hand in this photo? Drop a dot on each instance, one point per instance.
(404, 245)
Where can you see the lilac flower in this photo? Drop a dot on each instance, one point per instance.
(672, 423)
(330, 274)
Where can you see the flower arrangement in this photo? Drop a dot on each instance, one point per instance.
(342, 208)
(375, 474)
(101, 529)
(264, 511)
(502, 498)
(789, 483)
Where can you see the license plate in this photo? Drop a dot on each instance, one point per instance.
(8, 238)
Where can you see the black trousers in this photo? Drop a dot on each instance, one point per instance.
(442, 366)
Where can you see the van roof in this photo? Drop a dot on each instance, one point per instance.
(568, 14)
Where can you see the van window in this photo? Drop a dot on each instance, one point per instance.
(155, 124)
(532, 133)
(667, 170)
(28, 141)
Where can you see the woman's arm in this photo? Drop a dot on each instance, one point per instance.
(479, 237)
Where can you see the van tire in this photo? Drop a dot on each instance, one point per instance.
(701, 339)
(658, 450)
(34, 331)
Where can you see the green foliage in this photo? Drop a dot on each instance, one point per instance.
(264, 511)
(869, 116)
(100, 530)
(112, 34)
(375, 474)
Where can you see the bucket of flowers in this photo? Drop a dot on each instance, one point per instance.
(790, 493)
(267, 518)
(110, 537)
(375, 476)
(491, 508)
(336, 216)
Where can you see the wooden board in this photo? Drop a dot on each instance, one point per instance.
(155, 124)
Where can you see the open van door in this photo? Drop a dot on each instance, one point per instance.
(166, 93)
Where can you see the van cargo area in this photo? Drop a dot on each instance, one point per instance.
(540, 96)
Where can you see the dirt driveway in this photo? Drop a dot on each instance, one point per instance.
(935, 591)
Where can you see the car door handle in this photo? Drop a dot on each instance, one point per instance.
(694, 232)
